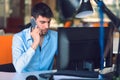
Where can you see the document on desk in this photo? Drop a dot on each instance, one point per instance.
(60, 77)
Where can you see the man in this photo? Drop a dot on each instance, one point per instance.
(34, 48)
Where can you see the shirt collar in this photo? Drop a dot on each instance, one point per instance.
(46, 39)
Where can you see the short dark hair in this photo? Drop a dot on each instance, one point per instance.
(41, 9)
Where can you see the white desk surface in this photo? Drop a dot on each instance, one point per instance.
(20, 76)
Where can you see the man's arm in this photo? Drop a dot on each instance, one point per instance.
(21, 56)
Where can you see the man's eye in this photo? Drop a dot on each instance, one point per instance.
(49, 22)
(42, 22)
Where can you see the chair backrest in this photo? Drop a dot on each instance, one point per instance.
(6, 53)
(5, 49)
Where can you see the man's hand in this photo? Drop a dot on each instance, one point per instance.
(35, 33)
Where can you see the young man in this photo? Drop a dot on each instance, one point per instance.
(34, 48)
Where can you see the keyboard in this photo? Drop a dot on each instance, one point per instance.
(88, 74)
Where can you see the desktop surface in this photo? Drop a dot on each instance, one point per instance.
(57, 75)
(21, 76)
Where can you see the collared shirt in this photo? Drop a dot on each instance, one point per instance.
(26, 59)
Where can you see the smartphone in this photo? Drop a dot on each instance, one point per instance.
(33, 23)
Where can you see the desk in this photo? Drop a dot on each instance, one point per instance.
(20, 76)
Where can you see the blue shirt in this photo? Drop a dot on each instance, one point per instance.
(26, 59)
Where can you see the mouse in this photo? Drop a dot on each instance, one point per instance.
(46, 76)
(31, 77)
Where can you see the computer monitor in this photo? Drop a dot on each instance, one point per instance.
(79, 48)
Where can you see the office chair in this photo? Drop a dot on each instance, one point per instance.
(6, 53)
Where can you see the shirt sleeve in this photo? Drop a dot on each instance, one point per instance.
(21, 56)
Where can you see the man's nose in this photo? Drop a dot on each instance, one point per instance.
(46, 25)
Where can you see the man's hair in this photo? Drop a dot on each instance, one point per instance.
(41, 9)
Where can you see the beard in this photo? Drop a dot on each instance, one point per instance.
(44, 32)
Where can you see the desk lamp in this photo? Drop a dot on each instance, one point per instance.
(84, 10)
(87, 7)
(114, 19)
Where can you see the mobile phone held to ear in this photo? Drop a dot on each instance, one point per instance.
(33, 23)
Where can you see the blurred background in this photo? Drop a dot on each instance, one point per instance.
(15, 14)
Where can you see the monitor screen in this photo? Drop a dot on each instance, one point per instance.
(79, 48)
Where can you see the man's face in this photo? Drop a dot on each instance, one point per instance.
(43, 24)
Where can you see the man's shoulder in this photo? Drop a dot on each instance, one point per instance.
(53, 32)
(23, 32)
